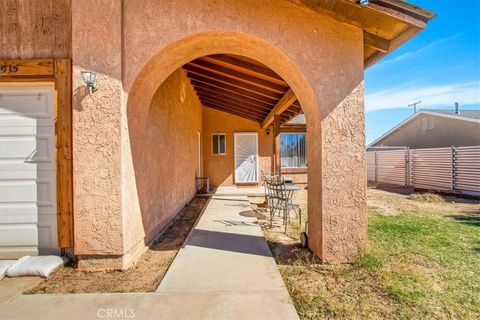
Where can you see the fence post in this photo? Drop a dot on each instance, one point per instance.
(454, 151)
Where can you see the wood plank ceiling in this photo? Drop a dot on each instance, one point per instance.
(239, 86)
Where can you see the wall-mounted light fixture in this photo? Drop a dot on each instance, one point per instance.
(363, 2)
(268, 131)
(90, 79)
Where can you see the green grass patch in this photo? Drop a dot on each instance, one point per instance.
(370, 261)
(431, 261)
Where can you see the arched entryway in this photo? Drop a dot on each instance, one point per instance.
(194, 55)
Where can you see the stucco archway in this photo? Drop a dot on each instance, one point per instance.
(180, 52)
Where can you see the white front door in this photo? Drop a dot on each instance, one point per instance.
(246, 157)
(28, 220)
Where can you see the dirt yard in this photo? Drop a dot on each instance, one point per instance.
(421, 262)
(143, 277)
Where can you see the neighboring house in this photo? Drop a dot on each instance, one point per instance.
(433, 129)
(99, 165)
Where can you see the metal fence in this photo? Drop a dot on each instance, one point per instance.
(454, 169)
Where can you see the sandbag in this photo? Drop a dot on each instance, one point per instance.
(4, 265)
(34, 266)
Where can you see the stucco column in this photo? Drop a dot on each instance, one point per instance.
(338, 222)
(97, 46)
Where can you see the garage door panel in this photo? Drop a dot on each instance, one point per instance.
(27, 149)
(20, 106)
(15, 213)
(40, 191)
(15, 252)
(19, 234)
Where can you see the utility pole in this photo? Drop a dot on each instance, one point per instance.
(414, 105)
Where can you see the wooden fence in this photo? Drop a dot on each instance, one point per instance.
(454, 169)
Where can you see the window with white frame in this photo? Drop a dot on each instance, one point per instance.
(218, 144)
(293, 150)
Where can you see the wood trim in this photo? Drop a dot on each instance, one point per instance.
(294, 170)
(293, 129)
(58, 71)
(376, 42)
(63, 135)
(276, 143)
(394, 44)
(286, 101)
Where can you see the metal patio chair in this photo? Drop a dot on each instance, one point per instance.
(266, 178)
(281, 199)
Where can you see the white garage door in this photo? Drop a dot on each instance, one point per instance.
(27, 171)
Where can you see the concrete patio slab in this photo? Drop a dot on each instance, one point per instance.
(13, 287)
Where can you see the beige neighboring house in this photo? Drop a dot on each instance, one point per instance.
(433, 129)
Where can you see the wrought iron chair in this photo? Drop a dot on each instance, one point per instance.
(281, 199)
(266, 178)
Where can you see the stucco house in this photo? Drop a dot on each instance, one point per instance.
(433, 129)
(110, 109)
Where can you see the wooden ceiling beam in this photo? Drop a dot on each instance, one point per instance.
(199, 65)
(242, 103)
(238, 98)
(236, 106)
(232, 89)
(223, 82)
(239, 107)
(251, 107)
(223, 109)
(294, 109)
(376, 42)
(238, 110)
(245, 67)
(282, 105)
(247, 95)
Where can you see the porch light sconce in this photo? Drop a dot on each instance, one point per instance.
(90, 79)
(268, 131)
(363, 2)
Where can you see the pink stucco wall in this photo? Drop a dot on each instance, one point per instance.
(138, 49)
(167, 182)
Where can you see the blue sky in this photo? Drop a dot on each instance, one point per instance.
(440, 66)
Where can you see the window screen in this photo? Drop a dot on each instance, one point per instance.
(218, 143)
(293, 150)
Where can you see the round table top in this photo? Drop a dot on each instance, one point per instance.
(292, 187)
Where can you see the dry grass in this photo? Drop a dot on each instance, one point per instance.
(426, 197)
(421, 263)
(144, 276)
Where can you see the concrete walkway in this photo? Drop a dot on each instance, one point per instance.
(225, 270)
(226, 255)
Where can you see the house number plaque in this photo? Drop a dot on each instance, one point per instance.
(26, 68)
(8, 68)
